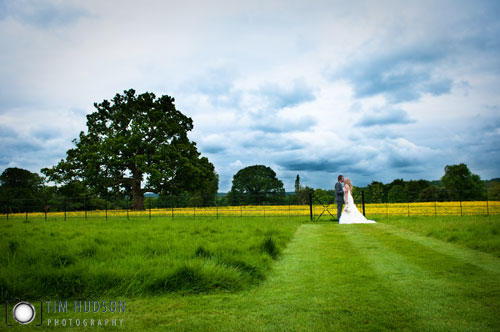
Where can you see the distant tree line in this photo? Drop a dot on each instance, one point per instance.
(458, 183)
(22, 190)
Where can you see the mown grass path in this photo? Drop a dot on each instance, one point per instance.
(347, 278)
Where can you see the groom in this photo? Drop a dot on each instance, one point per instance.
(339, 193)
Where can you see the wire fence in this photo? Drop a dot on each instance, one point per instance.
(314, 206)
(83, 208)
(418, 203)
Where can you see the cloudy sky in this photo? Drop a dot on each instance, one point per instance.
(375, 90)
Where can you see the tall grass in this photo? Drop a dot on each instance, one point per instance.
(82, 259)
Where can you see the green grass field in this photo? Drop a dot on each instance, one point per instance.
(481, 233)
(250, 274)
(120, 257)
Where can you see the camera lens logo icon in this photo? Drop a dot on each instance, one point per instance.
(24, 312)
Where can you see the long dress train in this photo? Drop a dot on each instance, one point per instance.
(351, 214)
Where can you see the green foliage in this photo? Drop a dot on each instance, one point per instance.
(21, 190)
(461, 183)
(255, 184)
(323, 197)
(415, 188)
(406, 191)
(73, 190)
(433, 193)
(356, 194)
(397, 194)
(375, 192)
(458, 183)
(493, 188)
(396, 182)
(302, 196)
(135, 138)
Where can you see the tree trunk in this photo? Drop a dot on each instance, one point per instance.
(137, 192)
(138, 201)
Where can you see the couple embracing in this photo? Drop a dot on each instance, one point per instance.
(350, 213)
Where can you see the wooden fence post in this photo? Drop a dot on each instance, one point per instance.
(363, 201)
(311, 205)
(487, 204)
(127, 209)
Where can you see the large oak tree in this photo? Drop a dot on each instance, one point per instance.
(136, 144)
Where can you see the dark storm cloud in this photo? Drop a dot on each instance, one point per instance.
(335, 164)
(34, 150)
(279, 97)
(384, 117)
(212, 149)
(15, 147)
(274, 124)
(404, 73)
(478, 145)
(401, 76)
(269, 141)
(402, 161)
(312, 165)
(45, 134)
(13, 143)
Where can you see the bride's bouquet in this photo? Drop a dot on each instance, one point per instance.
(346, 209)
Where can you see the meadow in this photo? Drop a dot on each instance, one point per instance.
(136, 257)
(253, 274)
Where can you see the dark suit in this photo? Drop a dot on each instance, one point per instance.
(339, 196)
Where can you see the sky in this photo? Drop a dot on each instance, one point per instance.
(374, 90)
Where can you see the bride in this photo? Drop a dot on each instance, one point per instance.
(350, 214)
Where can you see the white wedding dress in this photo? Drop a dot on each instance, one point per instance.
(351, 215)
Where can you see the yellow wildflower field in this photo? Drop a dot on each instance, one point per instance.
(387, 209)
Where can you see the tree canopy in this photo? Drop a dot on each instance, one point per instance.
(21, 188)
(458, 183)
(375, 192)
(18, 182)
(136, 144)
(397, 194)
(462, 183)
(254, 183)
